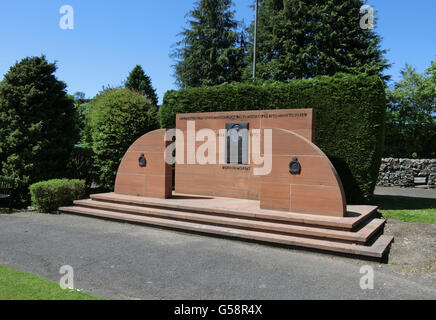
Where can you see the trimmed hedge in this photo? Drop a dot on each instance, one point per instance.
(349, 112)
(48, 196)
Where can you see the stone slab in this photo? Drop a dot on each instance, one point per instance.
(355, 215)
(377, 250)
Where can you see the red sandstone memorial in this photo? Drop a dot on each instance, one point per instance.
(249, 174)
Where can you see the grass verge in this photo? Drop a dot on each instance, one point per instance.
(426, 216)
(18, 285)
(407, 209)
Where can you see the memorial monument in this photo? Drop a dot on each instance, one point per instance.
(245, 174)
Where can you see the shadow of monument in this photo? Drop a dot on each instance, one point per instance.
(191, 197)
(352, 214)
(389, 202)
(352, 190)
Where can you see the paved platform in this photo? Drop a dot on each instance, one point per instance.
(241, 207)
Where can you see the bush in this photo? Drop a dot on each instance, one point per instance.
(48, 196)
(349, 111)
(37, 125)
(118, 118)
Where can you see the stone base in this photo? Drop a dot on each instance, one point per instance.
(358, 233)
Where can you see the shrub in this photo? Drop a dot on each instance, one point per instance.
(37, 125)
(118, 118)
(48, 196)
(349, 112)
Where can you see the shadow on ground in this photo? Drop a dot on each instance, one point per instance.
(388, 202)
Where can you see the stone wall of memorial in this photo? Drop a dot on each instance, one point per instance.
(407, 173)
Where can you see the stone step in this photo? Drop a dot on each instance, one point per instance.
(362, 236)
(376, 250)
(356, 215)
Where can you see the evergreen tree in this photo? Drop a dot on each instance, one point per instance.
(140, 82)
(305, 38)
(37, 125)
(212, 50)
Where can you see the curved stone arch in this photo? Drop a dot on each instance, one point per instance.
(152, 180)
(317, 189)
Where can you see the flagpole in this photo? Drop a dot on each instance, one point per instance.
(255, 38)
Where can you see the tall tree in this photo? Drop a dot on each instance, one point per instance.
(37, 125)
(306, 38)
(212, 50)
(411, 115)
(140, 82)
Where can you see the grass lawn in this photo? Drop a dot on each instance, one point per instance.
(17, 285)
(407, 209)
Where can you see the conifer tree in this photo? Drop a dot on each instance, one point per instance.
(38, 127)
(306, 38)
(212, 50)
(140, 82)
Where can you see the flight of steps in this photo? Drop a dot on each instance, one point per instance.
(360, 233)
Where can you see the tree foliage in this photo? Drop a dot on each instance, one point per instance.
(37, 125)
(139, 81)
(300, 39)
(118, 118)
(212, 50)
(79, 95)
(83, 111)
(411, 115)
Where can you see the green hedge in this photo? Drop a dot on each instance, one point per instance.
(350, 111)
(48, 196)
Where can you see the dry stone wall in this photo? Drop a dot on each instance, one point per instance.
(407, 173)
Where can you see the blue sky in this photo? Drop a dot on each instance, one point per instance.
(111, 37)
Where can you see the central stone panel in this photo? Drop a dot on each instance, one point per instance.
(234, 178)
